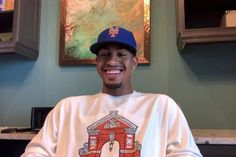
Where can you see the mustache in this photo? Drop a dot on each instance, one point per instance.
(116, 65)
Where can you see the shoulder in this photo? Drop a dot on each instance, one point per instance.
(160, 100)
(166, 105)
(73, 101)
(157, 96)
(79, 98)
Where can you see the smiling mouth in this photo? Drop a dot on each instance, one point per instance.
(113, 72)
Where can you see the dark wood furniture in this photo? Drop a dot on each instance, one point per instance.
(12, 148)
(217, 150)
(216, 143)
(199, 21)
(13, 144)
(23, 23)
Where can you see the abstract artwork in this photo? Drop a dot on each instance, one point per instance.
(82, 20)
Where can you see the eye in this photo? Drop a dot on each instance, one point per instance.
(104, 54)
(122, 54)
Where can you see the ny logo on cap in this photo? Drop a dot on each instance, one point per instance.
(113, 31)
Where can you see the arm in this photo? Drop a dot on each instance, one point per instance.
(44, 143)
(180, 140)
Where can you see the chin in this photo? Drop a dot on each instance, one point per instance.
(113, 85)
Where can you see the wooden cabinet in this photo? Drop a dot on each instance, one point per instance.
(217, 150)
(200, 21)
(13, 148)
(13, 144)
(22, 25)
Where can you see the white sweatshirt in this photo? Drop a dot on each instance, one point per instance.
(134, 125)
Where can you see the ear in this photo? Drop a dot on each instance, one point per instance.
(135, 62)
(96, 58)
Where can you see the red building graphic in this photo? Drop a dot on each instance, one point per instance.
(110, 129)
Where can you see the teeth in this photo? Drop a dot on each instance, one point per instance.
(111, 72)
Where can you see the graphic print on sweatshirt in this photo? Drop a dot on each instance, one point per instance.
(114, 135)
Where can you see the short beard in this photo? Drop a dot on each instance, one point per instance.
(113, 86)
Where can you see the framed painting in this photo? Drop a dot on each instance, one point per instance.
(82, 20)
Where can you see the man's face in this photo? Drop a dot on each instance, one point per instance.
(115, 65)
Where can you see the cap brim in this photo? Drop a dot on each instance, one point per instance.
(97, 46)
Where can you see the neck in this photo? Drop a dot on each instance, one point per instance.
(117, 92)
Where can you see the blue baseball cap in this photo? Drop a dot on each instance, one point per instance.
(115, 34)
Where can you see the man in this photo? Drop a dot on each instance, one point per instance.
(118, 121)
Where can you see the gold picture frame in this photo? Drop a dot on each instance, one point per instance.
(82, 20)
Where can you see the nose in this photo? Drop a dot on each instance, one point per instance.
(113, 59)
